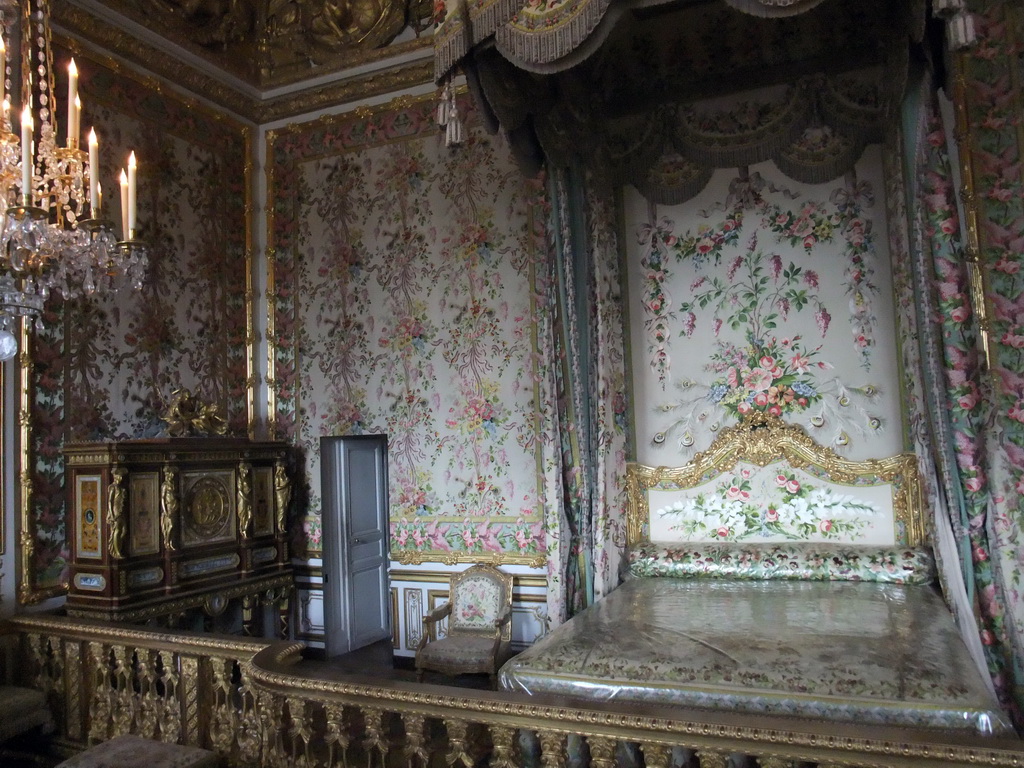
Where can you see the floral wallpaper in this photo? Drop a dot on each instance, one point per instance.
(407, 303)
(104, 368)
(765, 295)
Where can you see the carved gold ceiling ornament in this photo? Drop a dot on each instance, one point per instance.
(188, 416)
(277, 42)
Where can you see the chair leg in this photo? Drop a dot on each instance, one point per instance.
(419, 674)
(494, 681)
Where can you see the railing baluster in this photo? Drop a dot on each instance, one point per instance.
(169, 705)
(336, 737)
(147, 713)
(503, 739)
(656, 755)
(416, 741)
(123, 709)
(376, 740)
(300, 730)
(711, 758)
(100, 701)
(552, 746)
(263, 713)
(249, 732)
(458, 747)
(223, 717)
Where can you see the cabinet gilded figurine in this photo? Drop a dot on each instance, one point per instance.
(158, 527)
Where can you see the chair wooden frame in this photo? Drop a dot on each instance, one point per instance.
(501, 632)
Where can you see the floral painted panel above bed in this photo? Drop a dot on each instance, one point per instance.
(772, 504)
(764, 295)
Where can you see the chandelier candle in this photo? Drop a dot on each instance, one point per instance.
(46, 241)
(94, 174)
(124, 206)
(74, 106)
(26, 155)
(132, 196)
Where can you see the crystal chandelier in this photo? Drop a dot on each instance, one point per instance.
(53, 236)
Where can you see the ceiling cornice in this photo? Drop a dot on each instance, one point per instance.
(124, 45)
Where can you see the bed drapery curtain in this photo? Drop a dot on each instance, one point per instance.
(586, 528)
(950, 400)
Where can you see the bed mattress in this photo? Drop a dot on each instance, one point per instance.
(850, 651)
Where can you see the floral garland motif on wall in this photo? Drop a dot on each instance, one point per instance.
(411, 312)
(756, 295)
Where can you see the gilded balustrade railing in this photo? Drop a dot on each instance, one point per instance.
(260, 704)
(105, 680)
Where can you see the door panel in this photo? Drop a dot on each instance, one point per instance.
(355, 526)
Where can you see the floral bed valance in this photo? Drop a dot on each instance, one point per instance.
(551, 35)
(814, 131)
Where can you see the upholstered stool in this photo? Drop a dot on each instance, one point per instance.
(22, 709)
(135, 751)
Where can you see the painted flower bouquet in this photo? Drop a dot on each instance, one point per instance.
(773, 375)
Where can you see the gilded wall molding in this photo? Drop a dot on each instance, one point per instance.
(81, 29)
(28, 592)
(979, 294)
(108, 37)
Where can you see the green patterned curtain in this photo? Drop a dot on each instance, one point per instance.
(589, 363)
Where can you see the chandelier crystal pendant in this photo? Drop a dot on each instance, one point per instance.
(53, 236)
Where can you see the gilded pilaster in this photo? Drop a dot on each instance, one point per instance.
(190, 698)
(73, 689)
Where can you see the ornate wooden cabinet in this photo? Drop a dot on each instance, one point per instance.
(157, 527)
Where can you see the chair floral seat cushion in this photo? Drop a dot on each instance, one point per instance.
(458, 650)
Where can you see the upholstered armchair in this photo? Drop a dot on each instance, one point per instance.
(479, 613)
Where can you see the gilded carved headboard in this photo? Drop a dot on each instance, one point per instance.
(766, 481)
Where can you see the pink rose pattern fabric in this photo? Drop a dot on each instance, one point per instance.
(996, 468)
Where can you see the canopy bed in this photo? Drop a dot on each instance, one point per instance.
(769, 575)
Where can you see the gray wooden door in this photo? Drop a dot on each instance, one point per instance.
(354, 477)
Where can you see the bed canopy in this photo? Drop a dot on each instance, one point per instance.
(618, 81)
